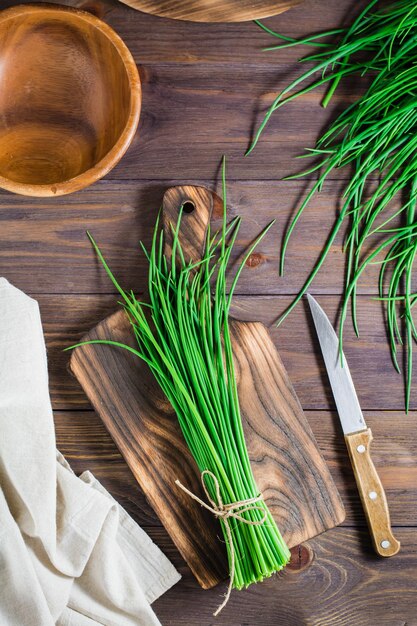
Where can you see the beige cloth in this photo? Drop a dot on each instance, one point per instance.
(69, 554)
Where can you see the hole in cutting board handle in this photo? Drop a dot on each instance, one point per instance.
(188, 206)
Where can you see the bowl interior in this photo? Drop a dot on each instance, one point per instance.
(64, 96)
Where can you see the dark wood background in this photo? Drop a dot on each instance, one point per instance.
(204, 88)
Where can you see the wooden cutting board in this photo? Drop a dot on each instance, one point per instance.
(288, 467)
(213, 10)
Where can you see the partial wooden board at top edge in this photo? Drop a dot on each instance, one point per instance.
(213, 11)
(288, 467)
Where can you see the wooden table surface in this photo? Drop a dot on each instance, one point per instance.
(204, 88)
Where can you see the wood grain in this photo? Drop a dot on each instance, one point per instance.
(287, 465)
(43, 253)
(372, 493)
(335, 580)
(158, 41)
(187, 107)
(217, 43)
(197, 205)
(205, 88)
(379, 387)
(83, 439)
(214, 11)
(70, 99)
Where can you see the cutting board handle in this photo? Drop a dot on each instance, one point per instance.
(197, 203)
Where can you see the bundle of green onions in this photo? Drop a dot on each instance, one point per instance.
(183, 335)
(375, 138)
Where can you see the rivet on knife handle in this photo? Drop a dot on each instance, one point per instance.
(372, 493)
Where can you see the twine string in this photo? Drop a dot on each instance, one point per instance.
(224, 512)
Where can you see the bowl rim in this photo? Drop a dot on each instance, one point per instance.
(113, 156)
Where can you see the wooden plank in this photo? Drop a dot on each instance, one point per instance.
(83, 439)
(216, 43)
(45, 249)
(335, 580)
(67, 318)
(155, 40)
(197, 114)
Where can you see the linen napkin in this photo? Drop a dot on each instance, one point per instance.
(69, 554)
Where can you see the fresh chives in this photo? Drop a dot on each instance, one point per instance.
(375, 138)
(183, 335)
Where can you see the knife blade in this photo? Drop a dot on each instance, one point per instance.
(358, 437)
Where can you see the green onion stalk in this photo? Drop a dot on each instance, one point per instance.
(183, 335)
(375, 138)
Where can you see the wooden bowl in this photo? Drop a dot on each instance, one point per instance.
(70, 99)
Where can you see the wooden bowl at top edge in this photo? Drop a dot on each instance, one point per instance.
(70, 99)
(213, 10)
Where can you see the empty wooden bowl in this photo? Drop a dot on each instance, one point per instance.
(70, 99)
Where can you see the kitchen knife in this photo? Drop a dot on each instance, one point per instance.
(357, 436)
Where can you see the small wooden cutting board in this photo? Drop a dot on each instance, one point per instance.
(288, 467)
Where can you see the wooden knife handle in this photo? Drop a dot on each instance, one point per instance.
(372, 493)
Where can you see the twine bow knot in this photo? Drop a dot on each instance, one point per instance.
(224, 512)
